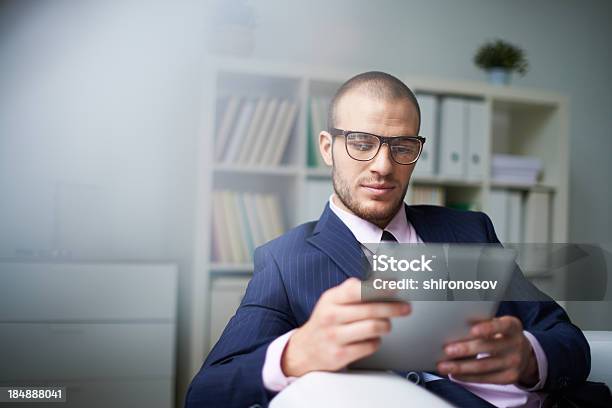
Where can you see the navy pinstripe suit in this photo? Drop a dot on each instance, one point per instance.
(292, 271)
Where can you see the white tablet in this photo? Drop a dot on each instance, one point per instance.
(416, 341)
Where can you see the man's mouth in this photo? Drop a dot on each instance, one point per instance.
(378, 189)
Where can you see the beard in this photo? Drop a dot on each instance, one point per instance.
(375, 216)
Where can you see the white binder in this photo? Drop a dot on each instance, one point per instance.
(453, 137)
(537, 217)
(429, 129)
(477, 130)
(515, 217)
(497, 210)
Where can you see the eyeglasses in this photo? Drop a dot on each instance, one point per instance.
(364, 146)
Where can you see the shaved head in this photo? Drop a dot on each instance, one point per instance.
(376, 85)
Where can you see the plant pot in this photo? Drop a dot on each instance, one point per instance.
(499, 76)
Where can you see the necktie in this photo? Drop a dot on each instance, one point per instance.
(388, 237)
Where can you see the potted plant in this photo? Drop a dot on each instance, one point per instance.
(500, 58)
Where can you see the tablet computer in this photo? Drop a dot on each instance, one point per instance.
(416, 341)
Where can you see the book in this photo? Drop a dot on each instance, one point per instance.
(263, 136)
(264, 217)
(284, 135)
(272, 138)
(253, 219)
(252, 132)
(220, 239)
(238, 134)
(274, 210)
(225, 126)
(428, 195)
(233, 227)
(245, 232)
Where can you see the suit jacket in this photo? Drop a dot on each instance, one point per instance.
(292, 271)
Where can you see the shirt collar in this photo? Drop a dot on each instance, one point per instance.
(366, 232)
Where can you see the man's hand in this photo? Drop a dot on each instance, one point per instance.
(340, 330)
(510, 359)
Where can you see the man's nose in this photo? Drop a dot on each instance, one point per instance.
(383, 162)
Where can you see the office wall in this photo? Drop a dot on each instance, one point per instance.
(99, 111)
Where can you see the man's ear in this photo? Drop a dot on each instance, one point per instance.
(325, 147)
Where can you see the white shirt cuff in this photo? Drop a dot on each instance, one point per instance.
(542, 362)
(272, 373)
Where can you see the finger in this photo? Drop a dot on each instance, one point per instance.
(473, 366)
(378, 310)
(469, 348)
(355, 351)
(348, 291)
(509, 376)
(359, 331)
(506, 325)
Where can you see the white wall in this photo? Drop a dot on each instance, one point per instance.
(99, 111)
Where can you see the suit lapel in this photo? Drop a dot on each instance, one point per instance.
(333, 237)
(430, 230)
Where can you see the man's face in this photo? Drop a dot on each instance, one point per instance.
(373, 190)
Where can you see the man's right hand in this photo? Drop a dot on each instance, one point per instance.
(341, 329)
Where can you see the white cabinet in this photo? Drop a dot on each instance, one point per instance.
(105, 331)
(225, 297)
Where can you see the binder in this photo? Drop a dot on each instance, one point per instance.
(429, 129)
(537, 217)
(477, 134)
(498, 212)
(515, 217)
(452, 137)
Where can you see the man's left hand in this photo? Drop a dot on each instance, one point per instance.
(510, 358)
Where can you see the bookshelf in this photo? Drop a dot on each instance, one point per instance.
(515, 121)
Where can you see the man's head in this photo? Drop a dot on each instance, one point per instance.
(377, 103)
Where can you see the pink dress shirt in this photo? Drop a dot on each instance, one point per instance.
(365, 232)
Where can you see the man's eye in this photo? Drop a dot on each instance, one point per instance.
(362, 146)
(402, 150)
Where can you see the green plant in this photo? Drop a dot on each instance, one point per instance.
(501, 54)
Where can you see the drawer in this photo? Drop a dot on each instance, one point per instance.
(149, 393)
(226, 295)
(86, 291)
(42, 352)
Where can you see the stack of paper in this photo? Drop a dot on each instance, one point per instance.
(515, 169)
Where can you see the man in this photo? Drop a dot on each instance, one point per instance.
(302, 309)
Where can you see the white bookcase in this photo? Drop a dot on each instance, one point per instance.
(517, 121)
